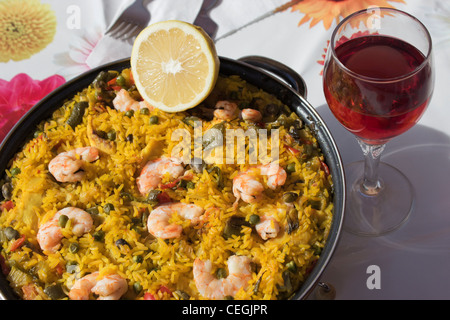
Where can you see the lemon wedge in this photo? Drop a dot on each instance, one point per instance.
(175, 65)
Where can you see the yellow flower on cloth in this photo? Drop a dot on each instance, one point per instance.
(328, 10)
(26, 27)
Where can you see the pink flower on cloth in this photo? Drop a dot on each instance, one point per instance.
(74, 61)
(19, 95)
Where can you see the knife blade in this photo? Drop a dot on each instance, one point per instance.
(283, 7)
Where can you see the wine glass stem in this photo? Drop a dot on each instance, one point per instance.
(371, 183)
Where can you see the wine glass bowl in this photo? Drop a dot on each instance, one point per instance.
(378, 80)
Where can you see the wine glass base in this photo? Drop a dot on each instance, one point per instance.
(377, 215)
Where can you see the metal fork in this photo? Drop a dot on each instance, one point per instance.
(132, 20)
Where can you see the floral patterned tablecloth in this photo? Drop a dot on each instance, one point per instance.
(44, 43)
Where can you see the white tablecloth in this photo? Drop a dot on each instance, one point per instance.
(413, 261)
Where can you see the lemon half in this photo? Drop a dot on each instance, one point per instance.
(174, 64)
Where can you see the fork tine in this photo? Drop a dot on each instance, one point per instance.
(116, 27)
(130, 22)
(136, 32)
(129, 28)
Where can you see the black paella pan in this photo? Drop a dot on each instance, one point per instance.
(261, 72)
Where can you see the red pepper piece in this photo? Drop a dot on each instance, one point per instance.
(8, 205)
(164, 289)
(325, 168)
(163, 198)
(292, 150)
(149, 296)
(170, 185)
(18, 243)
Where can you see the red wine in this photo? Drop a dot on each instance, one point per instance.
(383, 89)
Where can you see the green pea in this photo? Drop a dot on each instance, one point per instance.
(291, 266)
(254, 219)
(62, 220)
(290, 167)
(121, 81)
(37, 134)
(138, 259)
(111, 135)
(99, 235)
(15, 171)
(107, 208)
(290, 197)
(129, 113)
(137, 287)
(221, 273)
(153, 120)
(144, 111)
(74, 247)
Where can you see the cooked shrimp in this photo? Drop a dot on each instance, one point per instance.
(239, 274)
(276, 175)
(247, 187)
(267, 227)
(158, 221)
(124, 102)
(225, 110)
(251, 115)
(154, 171)
(49, 235)
(67, 166)
(83, 286)
(109, 287)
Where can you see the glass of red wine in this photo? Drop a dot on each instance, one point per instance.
(378, 80)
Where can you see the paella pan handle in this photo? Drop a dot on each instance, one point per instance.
(284, 72)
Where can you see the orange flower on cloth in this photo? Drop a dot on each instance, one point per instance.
(26, 27)
(338, 43)
(329, 10)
